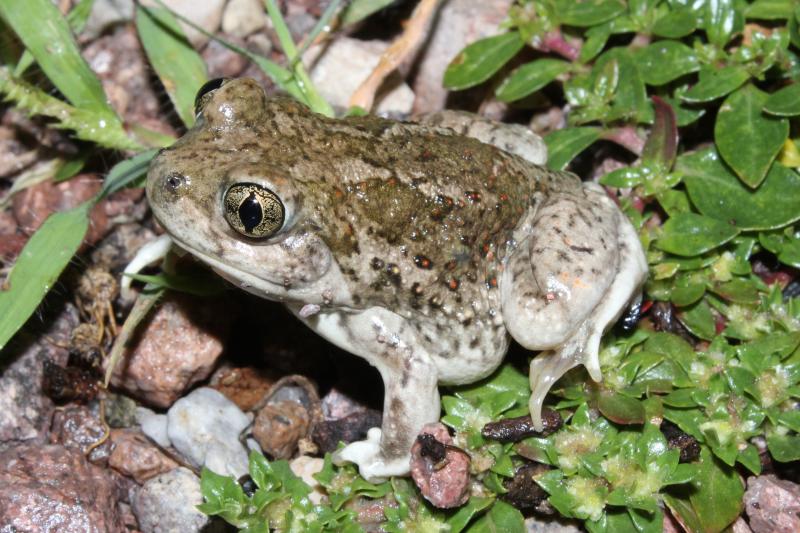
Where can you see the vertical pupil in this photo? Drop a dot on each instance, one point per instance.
(250, 213)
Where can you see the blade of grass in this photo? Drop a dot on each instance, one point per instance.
(179, 67)
(321, 25)
(281, 76)
(76, 19)
(147, 299)
(46, 34)
(88, 124)
(312, 97)
(39, 265)
(38, 173)
(126, 172)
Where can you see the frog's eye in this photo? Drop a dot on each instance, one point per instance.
(253, 210)
(205, 91)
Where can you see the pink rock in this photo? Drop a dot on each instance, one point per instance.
(135, 456)
(32, 206)
(459, 23)
(120, 63)
(772, 504)
(24, 410)
(76, 428)
(279, 426)
(178, 348)
(440, 471)
(244, 386)
(50, 488)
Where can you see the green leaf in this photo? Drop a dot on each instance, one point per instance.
(529, 78)
(770, 10)
(179, 67)
(689, 234)
(480, 60)
(127, 172)
(563, 145)
(720, 18)
(717, 499)
(459, 520)
(621, 409)
(784, 103)
(38, 266)
(675, 24)
(664, 61)
(591, 13)
(358, 10)
(717, 193)
(88, 124)
(630, 94)
(699, 320)
(624, 177)
(715, 84)
(501, 517)
(46, 34)
(223, 496)
(784, 448)
(662, 144)
(747, 139)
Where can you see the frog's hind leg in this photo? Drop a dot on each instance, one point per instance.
(572, 277)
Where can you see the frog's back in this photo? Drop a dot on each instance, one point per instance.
(418, 218)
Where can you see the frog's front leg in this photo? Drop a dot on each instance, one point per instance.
(411, 396)
(578, 265)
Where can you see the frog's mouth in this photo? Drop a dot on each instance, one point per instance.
(241, 278)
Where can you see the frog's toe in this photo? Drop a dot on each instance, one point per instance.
(372, 464)
(548, 367)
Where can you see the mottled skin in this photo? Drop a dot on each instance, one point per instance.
(412, 246)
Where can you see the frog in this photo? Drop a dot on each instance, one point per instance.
(423, 247)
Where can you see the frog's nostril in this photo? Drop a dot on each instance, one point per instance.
(174, 182)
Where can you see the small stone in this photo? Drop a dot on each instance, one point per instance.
(243, 17)
(77, 428)
(772, 504)
(244, 386)
(168, 502)
(337, 404)
(221, 61)
(458, 23)
(178, 348)
(25, 412)
(153, 425)
(135, 456)
(206, 14)
(444, 482)
(327, 433)
(120, 411)
(205, 427)
(523, 491)
(535, 524)
(32, 206)
(50, 488)
(305, 467)
(279, 426)
(339, 67)
(106, 13)
(122, 67)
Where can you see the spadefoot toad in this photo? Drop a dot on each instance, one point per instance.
(415, 247)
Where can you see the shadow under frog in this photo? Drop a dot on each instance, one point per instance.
(414, 246)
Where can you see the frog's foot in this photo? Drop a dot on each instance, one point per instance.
(153, 251)
(372, 464)
(567, 282)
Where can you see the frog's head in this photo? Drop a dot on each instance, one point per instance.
(223, 193)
